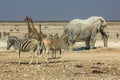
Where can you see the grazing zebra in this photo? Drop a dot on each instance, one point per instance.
(26, 44)
(52, 44)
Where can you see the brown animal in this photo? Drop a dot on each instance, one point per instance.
(32, 32)
(27, 19)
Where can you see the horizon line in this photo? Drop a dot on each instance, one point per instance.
(49, 21)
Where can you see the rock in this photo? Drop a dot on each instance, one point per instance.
(97, 72)
(79, 66)
(99, 63)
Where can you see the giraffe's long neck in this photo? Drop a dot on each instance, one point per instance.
(33, 27)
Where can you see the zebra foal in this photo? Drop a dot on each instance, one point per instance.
(26, 44)
(52, 44)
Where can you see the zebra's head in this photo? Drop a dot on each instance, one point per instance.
(10, 41)
(69, 37)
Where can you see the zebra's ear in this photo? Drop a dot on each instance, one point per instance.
(9, 37)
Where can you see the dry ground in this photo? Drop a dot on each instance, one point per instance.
(97, 64)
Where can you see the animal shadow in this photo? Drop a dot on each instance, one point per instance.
(24, 63)
(82, 48)
(59, 61)
(79, 49)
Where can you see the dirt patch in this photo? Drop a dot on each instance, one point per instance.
(96, 64)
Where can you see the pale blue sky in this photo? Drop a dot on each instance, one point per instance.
(60, 10)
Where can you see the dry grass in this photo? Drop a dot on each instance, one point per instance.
(113, 23)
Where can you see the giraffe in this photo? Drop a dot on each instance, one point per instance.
(33, 27)
(38, 35)
(27, 19)
(32, 32)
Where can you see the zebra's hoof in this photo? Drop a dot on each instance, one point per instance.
(19, 63)
(30, 63)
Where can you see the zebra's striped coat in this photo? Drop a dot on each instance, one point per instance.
(27, 44)
(52, 44)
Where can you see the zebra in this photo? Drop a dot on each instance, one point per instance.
(26, 44)
(52, 44)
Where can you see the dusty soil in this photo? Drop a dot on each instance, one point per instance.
(96, 64)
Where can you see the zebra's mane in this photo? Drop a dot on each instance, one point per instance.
(12, 37)
(67, 34)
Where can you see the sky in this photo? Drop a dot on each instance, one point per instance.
(58, 10)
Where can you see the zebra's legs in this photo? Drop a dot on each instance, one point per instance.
(61, 54)
(36, 56)
(45, 55)
(53, 54)
(31, 60)
(18, 52)
(70, 48)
